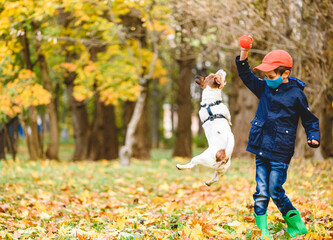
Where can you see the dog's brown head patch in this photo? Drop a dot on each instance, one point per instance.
(212, 80)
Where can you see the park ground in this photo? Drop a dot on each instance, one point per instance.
(152, 200)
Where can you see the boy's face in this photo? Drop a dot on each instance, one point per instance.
(273, 75)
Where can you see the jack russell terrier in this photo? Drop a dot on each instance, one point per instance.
(216, 120)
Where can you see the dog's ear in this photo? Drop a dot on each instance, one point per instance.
(199, 80)
(218, 82)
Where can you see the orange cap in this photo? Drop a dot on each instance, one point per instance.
(275, 59)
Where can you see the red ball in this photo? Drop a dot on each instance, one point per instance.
(245, 41)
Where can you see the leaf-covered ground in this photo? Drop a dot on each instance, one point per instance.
(152, 200)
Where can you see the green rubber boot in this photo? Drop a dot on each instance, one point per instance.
(261, 222)
(295, 223)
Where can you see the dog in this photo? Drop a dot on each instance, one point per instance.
(216, 121)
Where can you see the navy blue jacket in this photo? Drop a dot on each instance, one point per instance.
(273, 130)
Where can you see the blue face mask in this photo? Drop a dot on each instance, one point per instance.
(274, 83)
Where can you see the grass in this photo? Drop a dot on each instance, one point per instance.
(151, 199)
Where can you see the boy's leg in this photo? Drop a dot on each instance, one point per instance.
(277, 178)
(261, 196)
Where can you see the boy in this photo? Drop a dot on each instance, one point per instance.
(273, 132)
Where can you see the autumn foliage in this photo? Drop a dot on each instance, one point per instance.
(150, 200)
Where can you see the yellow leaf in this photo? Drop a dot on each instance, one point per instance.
(24, 214)
(163, 80)
(44, 215)
(165, 186)
(194, 233)
(25, 74)
(19, 190)
(16, 109)
(70, 67)
(234, 224)
(197, 233)
(90, 68)
(120, 224)
(187, 230)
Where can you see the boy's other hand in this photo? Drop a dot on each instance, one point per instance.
(313, 142)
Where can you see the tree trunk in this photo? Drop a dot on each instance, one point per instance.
(80, 121)
(243, 104)
(128, 109)
(11, 128)
(326, 124)
(103, 140)
(9, 138)
(34, 141)
(155, 115)
(134, 28)
(126, 151)
(53, 147)
(77, 109)
(10, 142)
(142, 147)
(183, 141)
(15, 134)
(2, 142)
(202, 71)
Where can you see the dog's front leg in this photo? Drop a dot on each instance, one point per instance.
(195, 161)
(215, 178)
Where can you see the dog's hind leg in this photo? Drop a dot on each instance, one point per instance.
(195, 161)
(189, 165)
(215, 178)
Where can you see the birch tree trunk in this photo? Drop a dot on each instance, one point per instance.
(126, 150)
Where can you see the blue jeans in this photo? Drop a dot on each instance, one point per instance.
(270, 176)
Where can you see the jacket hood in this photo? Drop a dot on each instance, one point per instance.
(296, 83)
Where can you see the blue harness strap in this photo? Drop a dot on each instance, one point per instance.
(211, 115)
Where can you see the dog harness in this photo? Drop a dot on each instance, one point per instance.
(211, 115)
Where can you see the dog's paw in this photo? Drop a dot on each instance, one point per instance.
(208, 184)
(178, 167)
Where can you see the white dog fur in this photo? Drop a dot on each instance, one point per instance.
(218, 133)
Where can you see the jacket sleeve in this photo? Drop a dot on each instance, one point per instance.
(256, 85)
(309, 121)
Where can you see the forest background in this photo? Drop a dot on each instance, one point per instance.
(113, 80)
(104, 72)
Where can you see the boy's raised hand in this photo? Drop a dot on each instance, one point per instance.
(245, 42)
